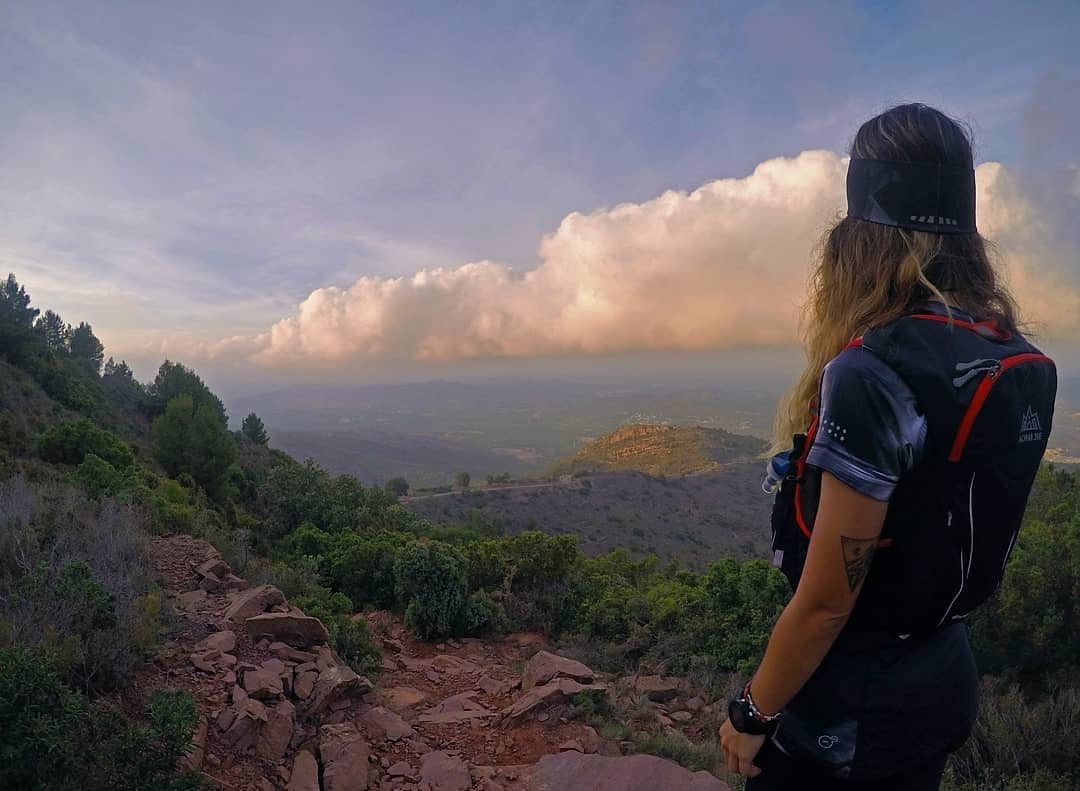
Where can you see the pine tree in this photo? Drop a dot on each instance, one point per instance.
(56, 331)
(15, 304)
(253, 429)
(86, 348)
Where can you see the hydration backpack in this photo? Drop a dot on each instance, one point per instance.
(988, 398)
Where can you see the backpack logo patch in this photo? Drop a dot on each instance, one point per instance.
(1030, 427)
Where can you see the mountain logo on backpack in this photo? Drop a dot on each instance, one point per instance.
(1030, 427)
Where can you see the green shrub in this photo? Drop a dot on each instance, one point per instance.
(349, 638)
(430, 578)
(70, 442)
(361, 565)
(673, 745)
(485, 615)
(101, 479)
(57, 739)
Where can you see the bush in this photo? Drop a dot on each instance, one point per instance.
(1012, 743)
(55, 738)
(485, 615)
(399, 487)
(430, 579)
(73, 575)
(70, 442)
(349, 638)
(675, 746)
(361, 565)
(101, 479)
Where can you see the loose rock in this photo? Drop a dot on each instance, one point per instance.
(299, 631)
(253, 601)
(441, 772)
(274, 737)
(574, 771)
(345, 758)
(305, 773)
(545, 666)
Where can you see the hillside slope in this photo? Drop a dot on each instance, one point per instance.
(663, 450)
(696, 519)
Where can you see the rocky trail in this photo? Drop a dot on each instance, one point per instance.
(279, 710)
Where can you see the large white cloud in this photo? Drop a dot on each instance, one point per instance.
(722, 266)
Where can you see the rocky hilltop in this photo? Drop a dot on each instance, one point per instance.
(280, 710)
(663, 450)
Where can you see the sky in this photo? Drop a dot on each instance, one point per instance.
(303, 191)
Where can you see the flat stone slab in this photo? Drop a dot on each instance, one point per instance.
(574, 771)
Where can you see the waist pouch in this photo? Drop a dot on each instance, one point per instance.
(879, 706)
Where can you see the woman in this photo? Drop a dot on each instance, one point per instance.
(919, 422)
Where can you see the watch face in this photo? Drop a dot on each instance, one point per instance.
(736, 715)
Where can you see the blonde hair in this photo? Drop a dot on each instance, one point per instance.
(868, 275)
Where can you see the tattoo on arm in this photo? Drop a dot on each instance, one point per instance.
(858, 552)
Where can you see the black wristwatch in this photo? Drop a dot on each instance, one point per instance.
(747, 718)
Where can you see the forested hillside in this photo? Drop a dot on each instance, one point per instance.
(93, 463)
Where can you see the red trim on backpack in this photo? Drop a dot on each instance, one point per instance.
(974, 326)
(982, 392)
(800, 468)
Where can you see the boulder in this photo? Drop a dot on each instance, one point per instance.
(225, 642)
(242, 732)
(590, 740)
(695, 704)
(456, 708)
(305, 773)
(263, 684)
(233, 582)
(215, 566)
(275, 735)
(384, 724)
(403, 697)
(546, 695)
(335, 684)
(442, 772)
(253, 601)
(211, 584)
(296, 630)
(304, 683)
(273, 665)
(545, 666)
(290, 654)
(657, 688)
(574, 771)
(344, 757)
(205, 660)
(494, 687)
(192, 599)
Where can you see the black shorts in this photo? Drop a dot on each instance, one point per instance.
(781, 773)
(880, 708)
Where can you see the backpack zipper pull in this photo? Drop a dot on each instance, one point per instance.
(972, 369)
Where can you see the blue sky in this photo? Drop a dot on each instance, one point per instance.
(200, 168)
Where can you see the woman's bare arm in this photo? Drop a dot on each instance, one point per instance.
(846, 532)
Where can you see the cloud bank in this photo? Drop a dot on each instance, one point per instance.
(723, 266)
